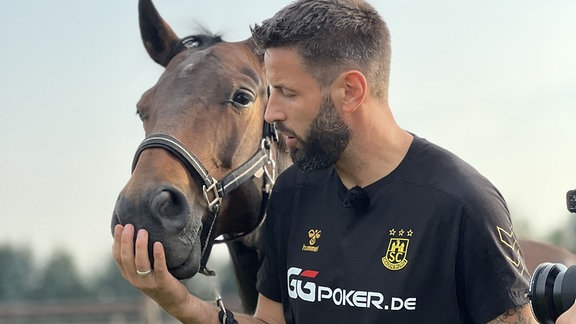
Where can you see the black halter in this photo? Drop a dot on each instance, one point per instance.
(261, 163)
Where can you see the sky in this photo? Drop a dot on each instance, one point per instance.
(493, 81)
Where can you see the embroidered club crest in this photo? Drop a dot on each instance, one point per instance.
(395, 258)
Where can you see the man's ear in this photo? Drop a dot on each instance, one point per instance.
(354, 89)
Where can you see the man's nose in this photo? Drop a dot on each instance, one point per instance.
(273, 111)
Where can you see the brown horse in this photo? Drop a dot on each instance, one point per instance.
(536, 253)
(209, 159)
(203, 121)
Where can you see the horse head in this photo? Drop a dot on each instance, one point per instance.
(207, 151)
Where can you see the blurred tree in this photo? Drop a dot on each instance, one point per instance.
(59, 279)
(16, 274)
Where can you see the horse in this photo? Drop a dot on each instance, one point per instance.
(203, 121)
(536, 253)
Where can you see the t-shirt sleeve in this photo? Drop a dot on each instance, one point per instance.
(491, 269)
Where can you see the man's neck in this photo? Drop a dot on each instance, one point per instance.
(372, 155)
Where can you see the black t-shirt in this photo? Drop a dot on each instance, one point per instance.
(434, 246)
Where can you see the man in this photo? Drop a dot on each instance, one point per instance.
(372, 224)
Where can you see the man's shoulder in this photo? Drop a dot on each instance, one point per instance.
(433, 166)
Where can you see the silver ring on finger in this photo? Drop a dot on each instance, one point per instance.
(143, 273)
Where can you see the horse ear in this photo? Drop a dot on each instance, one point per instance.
(157, 36)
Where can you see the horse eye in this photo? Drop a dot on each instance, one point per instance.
(242, 99)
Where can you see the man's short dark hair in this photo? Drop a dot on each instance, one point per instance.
(332, 36)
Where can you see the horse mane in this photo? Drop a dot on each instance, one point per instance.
(210, 38)
(201, 29)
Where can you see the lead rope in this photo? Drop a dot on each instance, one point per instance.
(208, 238)
(224, 315)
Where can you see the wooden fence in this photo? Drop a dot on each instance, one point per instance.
(142, 310)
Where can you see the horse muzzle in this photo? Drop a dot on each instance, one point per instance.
(170, 218)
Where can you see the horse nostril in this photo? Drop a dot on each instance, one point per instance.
(170, 208)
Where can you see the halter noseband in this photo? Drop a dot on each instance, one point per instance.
(213, 190)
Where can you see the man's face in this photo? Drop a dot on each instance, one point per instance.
(306, 118)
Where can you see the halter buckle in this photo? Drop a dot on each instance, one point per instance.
(212, 195)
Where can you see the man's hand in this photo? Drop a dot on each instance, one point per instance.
(134, 265)
(168, 291)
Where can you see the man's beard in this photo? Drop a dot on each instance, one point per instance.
(327, 138)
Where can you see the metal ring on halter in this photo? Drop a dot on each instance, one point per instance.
(143, 273)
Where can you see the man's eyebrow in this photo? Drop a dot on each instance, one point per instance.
(281, 86)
